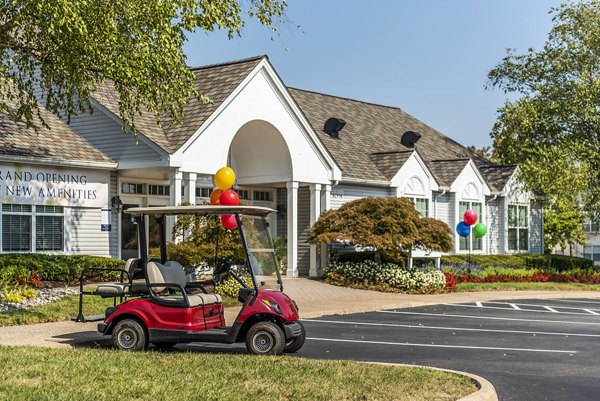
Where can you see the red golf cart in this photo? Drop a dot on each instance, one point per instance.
(160, 307)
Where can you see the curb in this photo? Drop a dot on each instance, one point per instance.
(485, 391)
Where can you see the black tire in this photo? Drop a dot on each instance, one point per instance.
(265, 338)
(129, 335)
(296, 343)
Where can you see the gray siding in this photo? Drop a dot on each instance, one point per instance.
(496, 220)
(85, 235)
(346, 193)
(303, 226)
(106, 134)
(536, 228)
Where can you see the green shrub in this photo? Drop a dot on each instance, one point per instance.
(544, 263)
(67, 268)
(230, 286)
(363, 256)
(13, 296)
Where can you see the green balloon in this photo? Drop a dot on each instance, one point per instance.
(479, 230)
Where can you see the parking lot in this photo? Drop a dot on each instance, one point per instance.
(529, 349)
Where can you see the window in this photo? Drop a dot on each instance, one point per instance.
(17, 228)
(518, 228)
(203, 192)
(49, 228)
(590, 227)
(592, 253)
(476, 244)
(244, 194)
(264, 196)
(422, 206)
(129, 188)
(161, 190)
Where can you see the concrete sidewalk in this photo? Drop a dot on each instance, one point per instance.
(314, 299)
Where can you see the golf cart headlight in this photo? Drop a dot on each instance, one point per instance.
(273, 305)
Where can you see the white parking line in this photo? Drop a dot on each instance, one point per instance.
(516, 308)
(441, 345)
(412, 326)
(541, 306)
(551, 310)
(576, 301)
(488, 317)
(591, 311)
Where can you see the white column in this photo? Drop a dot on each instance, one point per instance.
(190, 188)
(325, 205)
(292, 228)
(175, 178)
(315, 211)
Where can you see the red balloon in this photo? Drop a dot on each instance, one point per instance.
(229, 198)
(470, 217)
(228, 221)
(215, 195)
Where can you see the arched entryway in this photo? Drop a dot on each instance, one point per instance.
(261, 158)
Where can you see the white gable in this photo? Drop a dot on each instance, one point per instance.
(470, 185)
(414, 179)
(262, 109)
(515, 192)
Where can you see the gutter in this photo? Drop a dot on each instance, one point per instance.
(377, 183)
(444, 190)
(56, 162)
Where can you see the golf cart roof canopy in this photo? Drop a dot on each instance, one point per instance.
(202, 210)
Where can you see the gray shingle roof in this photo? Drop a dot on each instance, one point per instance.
(59, 142)
(217, 81)
(497, 176)
(446, 171)
(369, 129)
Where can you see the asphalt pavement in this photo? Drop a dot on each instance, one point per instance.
(534, 349)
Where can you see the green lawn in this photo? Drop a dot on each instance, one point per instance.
(469, 287)
(67, 308)
(30, 373)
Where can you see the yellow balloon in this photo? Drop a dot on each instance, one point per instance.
(225, 178)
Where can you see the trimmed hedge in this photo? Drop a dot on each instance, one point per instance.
(16, 267)
(546, 263)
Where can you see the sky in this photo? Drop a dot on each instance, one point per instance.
(428, 57)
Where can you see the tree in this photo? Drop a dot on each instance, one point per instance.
(553, 129)
(386, 224)
(65, 49)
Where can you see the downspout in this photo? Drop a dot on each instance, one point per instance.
(487, 241)
(435, 213)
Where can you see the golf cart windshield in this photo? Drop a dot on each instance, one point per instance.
(261, 254)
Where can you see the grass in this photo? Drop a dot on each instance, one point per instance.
(67, 308)
(469, 287)
(30, 373)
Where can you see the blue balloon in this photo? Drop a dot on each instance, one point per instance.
(463, 229)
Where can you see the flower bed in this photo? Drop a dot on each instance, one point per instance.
(385, 277)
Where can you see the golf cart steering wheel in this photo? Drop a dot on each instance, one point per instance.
(224, 266)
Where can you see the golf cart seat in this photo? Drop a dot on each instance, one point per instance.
(172, 272)
(120, 289)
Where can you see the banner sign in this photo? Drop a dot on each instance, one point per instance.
(59, 186)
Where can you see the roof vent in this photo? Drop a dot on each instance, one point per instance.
(333, 126)
(409, 138)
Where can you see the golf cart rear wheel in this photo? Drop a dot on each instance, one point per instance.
(296, 343)
(129, 335)
(265, 338)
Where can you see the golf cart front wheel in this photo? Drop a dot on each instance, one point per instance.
(129, 335)
(296, 343)
(265, 338)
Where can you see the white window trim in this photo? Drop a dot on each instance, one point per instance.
(517, 251)
(480, 219)
(33, 214)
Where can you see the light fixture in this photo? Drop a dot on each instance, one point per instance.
(116, 203)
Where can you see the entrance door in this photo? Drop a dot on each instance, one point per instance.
(129, 241)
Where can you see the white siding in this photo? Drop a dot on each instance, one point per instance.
(85, 235)
(346, 193)
(113, 236)
(444, 209)
(303, 226)
(107, 136)
(496, 225)
(536, 222)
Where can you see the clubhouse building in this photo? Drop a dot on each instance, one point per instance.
(63, 190)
